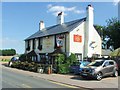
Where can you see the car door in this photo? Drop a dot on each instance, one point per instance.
(105, 68)
(111, 66)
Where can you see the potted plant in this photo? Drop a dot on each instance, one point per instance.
(39, 68)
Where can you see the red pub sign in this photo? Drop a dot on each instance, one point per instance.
(77, 38)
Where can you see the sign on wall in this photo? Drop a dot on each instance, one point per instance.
(59, 40)
(77, 38)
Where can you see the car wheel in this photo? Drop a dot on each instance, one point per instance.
(99, 76)
(115, 74)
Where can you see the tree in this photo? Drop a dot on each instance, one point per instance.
(8, 52)
(0, 52)
(112, 31)
(71, 59)
(101, 31)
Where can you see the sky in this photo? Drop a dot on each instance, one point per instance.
(21, 19)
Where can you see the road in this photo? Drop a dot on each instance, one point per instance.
(15, 78)
(12, 79)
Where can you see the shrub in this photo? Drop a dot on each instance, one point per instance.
(71, 59)
(60, 59)
(16, 64)
(64, 64)
(22, 57)
(63, 68)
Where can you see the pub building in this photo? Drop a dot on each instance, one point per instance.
(76, 36)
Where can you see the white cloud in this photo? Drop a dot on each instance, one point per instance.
(56, 9)
(49, 5)
(115, 2)
(79, 11)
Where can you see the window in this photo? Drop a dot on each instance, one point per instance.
(40, 42)
(33, 43)
(106, 64)
(78, 56)
(96, 63)
(28, 45)
(111, 63)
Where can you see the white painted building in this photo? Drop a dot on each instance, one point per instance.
(77, 36)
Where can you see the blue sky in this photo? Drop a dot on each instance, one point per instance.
(20, 19)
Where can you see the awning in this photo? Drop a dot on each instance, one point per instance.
(56, 52)
(32, 53)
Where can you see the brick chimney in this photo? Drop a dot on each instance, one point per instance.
(41, 25)
(60, 18)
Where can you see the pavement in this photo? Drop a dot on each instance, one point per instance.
(110, 83)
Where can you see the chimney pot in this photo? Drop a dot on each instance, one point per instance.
(90, 5)
(60, 18)
(60, 13)
(41, 25)
(41, 21)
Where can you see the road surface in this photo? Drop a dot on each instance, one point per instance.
(15, 78)
(12, 79)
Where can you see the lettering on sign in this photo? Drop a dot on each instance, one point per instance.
(59, 40)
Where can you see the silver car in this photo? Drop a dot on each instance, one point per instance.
(99, 69)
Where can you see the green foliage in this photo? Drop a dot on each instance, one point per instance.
(71, 59)
(22, 57)
(100, 30)
(8, 52)
(116, 53)
(5, 60)
(110, 33)
(64, 64)
(113, 33)
(64, 68)
(16, 64)
(60, 59)
(0, 52)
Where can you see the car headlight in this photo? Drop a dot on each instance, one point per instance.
(80, 69)
(93, 71)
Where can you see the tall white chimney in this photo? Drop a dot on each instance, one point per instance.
(89, 35)
(60, 18)
(41, 25)
(90, 16)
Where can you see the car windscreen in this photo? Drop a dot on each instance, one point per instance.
(96, 63)
(85, 63)
(14, 58)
